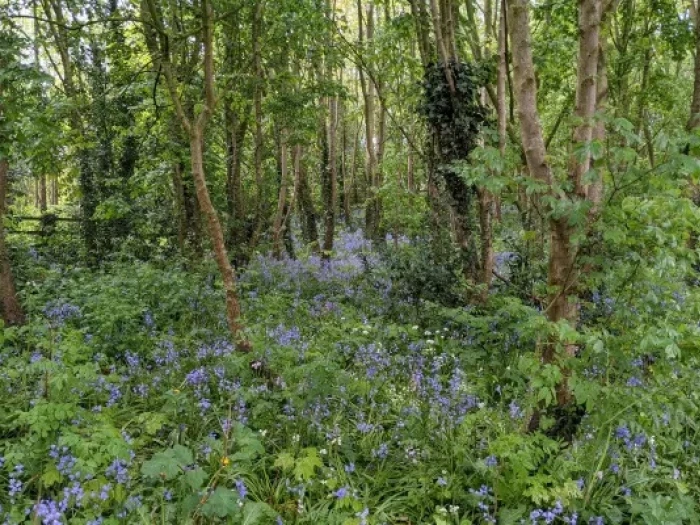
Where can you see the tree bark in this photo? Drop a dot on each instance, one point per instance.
(586, 95)
(216, 234)
(562, 272)
(694, 119)
(279, 221)
(305, 203)
(236, 129)
(257, 108)
(54, 191)
(10, 307)
(331, 183)
(371, 221)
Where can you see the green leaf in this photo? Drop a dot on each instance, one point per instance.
(307, 464)
(285, 461)
(195, 478)
(51, 477)
(255, 512)
(222, 502)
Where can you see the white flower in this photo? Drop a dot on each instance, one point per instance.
(430, 341)
(323, 452)
(365, 332)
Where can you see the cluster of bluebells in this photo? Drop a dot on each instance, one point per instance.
(550, 515)
(484, 495)
(408, 381)
(59, 312)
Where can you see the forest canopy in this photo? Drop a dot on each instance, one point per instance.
(349, 262)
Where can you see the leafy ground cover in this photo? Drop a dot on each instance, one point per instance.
(124, 402)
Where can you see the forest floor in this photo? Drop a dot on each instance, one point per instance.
(125, 402)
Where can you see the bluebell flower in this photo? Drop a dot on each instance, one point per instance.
(48, 512)
(241, 488)
(341, 493)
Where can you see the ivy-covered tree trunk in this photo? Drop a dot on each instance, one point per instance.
(10, 307)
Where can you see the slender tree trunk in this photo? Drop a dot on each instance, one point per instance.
(279, 222)
(501, 91)
(486, 227)
(331, 184)
(305, 203)
(42, 193)
(180, 211)
(216, 233)
(420, 16)
(694, 119)
(410, 175)
(10, 307)
(54, 191)
(235, 136)
(371, 221)
(257, 108)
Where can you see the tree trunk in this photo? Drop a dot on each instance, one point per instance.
(694, 119)
(235, 135)
(54, 191)
(410, 182)
(10, 308)
(194, 124)
(501, 92)
(179, 208)
(216, 234)
(486, 226)
(331, 184)
(279, 222)
(257, 108)
(589, 40)
(562, 273)
(371, 221)
(42, 193)
(305, 203)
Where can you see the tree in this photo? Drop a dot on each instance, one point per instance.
(564, 269)
(165, 54)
